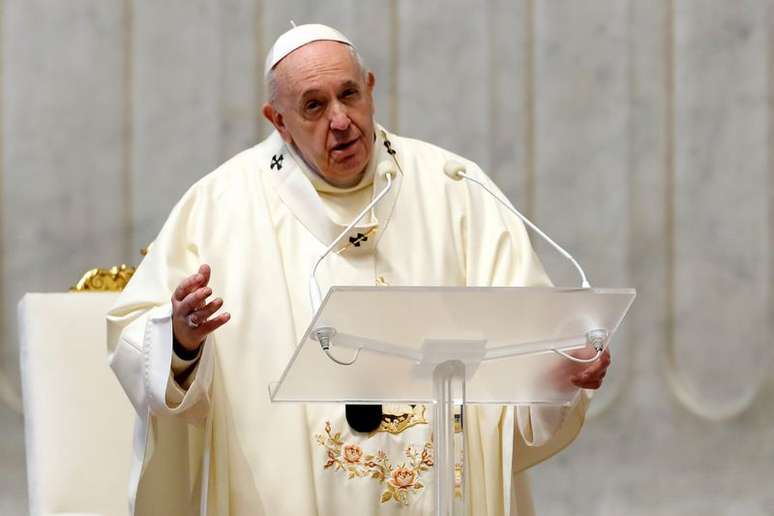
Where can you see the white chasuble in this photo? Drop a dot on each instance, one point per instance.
(207, 438)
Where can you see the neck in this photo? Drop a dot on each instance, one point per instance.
(354, 181)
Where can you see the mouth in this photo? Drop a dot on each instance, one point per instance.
(343, 147)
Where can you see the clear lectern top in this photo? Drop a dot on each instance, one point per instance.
(505, 336)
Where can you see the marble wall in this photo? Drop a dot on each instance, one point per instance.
(635, 132)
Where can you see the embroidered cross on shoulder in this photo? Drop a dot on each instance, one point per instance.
(390, 150)
(355, 241)
(276, 161)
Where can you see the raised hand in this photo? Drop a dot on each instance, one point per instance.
(191, 313)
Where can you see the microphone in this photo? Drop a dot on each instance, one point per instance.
(386, 170)
(454, 169)
(457, 172)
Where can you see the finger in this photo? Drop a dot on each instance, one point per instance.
(587, 372)
(206, 272)
(585, 377)
(204, 313)
(587, 384)
(187, 286)
(595, 369)
(194, 300)
(593, 385)
(600, 365)
(215, 323)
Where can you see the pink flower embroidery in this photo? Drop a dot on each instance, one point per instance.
(352, 453)
(403, 478)
(399, 483)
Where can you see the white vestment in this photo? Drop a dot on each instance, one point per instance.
(261, 224)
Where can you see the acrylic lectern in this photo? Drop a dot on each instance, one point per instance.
(449, 346)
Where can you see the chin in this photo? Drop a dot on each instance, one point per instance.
(346, 176)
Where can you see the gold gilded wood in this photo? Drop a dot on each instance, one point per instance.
(113, 279)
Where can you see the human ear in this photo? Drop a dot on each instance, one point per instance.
(370, 82)
(277, 120)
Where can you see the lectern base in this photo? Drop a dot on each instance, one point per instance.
(448, 386)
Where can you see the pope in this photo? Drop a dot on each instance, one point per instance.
(245, 237)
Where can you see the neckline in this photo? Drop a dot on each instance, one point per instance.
(322, 186)
(296, 190)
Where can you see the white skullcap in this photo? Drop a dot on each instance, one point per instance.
(298, 37)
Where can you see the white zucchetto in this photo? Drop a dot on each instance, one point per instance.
(298, 37)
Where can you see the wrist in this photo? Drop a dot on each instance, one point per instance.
(183, 352)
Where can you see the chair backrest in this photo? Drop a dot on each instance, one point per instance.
(78, 421)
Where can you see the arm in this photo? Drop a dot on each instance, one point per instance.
(142, 325)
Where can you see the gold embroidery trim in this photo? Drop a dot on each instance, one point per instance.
(395, 421)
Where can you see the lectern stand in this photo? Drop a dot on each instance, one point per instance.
(448, 346)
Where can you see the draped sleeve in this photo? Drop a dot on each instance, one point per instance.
(140, 323)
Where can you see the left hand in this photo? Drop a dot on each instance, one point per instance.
(589, 376)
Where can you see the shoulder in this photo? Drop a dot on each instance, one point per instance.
(238, 173)
(426, 161)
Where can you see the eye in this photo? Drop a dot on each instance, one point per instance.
(349, 93)
(312, 105)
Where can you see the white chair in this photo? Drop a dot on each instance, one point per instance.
(78, 421)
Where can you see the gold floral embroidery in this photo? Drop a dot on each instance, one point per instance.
(397, 418)
(399, 482)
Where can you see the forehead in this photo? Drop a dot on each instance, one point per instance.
(317, 65)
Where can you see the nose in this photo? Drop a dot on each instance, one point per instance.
(339, 118)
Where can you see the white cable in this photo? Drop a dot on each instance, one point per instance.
(584, 281)
(341, 362)
(324, 336)
(598, 338)
(315, 296)
(456, 171)
(579, 360)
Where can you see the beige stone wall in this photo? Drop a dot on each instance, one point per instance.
(636, 132)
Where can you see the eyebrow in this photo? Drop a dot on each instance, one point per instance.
(350, 84)
(309, 93)
(313, 91)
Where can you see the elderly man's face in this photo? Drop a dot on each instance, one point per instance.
(325, 107)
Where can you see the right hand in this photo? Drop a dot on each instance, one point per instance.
(191, 313)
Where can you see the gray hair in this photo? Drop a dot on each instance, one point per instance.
(272, 83)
